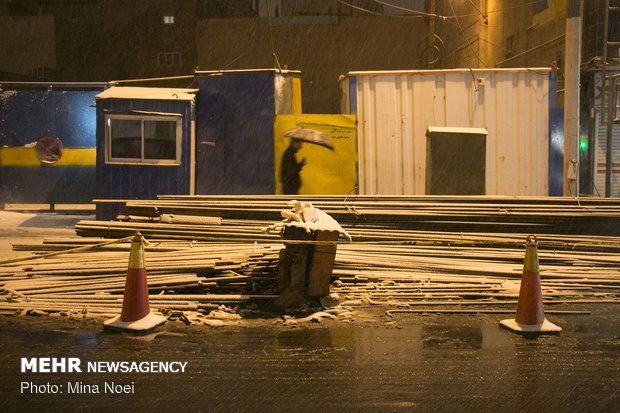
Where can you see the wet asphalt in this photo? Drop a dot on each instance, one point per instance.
(429, 363)
(412, 362)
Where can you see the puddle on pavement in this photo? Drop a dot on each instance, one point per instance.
(443, 336)
(335, 368)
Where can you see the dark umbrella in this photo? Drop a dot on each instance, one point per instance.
(310, 136)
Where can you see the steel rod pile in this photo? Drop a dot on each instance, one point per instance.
(369, 218)
(408, 253)
(94, 281)
(422, 277)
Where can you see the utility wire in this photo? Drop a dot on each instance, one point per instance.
(423, 14)
(360, 8)
(464, 36)
(484, 16)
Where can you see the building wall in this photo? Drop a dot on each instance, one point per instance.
(31, 50)
(95, 40)
(138, 43)
(322, 52)
(462, 41)
(527, 36)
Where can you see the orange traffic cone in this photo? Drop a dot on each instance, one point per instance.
(136, 313)
(530, 317)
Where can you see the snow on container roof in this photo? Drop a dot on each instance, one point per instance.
(219, 72)
(159, 93)
(462, 70)
(444, 129)
(53, 85)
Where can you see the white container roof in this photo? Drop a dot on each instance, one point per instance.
(461, 70)
(233, 71)
(159, 93)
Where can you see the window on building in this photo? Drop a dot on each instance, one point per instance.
(169, 59)
(41, 73)
(143, 139)
(539, 5)
(299, 4)
(168, 19)
(511, 46)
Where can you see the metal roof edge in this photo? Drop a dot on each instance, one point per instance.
(54, 84)
(450, 129)
(609, 68)
(215, 72)
(157, 93)
(151, 79)
(460, 70)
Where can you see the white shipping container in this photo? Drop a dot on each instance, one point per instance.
(395, 109)
(600, 143)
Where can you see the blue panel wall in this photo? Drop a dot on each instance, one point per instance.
(556, 140)
(30, 111)
(353, 93)
(66, 112)
(143, 181)
(234, 134)
(556, 152)
(47, 184)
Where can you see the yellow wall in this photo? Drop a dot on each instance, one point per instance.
(28, 157)
(326, 172)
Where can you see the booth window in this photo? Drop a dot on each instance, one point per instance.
(143, 139)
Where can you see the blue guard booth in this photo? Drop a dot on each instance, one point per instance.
(47, 142)
(145, 141)
(218, 139)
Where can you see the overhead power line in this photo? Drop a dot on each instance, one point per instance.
(418, 14)
(360, 8)
(421, 13)
(465, 36)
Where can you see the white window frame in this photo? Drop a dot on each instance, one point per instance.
(142, 161)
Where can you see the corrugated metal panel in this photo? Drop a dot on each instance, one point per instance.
(600, 155)
(395, 109)
(234, 133)
(29, 111)
(601, 159)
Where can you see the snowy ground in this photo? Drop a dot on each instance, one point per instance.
(32, 224)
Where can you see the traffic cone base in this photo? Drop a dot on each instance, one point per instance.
(147, 323)
(546, 327)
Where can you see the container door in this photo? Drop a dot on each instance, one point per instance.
(455, 163)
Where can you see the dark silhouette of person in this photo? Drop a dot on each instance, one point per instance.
(289, 168)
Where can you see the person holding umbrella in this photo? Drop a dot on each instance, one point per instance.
(290, 168)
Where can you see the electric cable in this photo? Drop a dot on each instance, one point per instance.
(464, 36)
